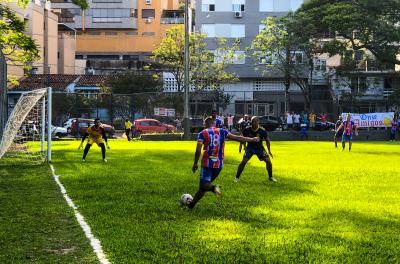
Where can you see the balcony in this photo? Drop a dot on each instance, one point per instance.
(172, 20)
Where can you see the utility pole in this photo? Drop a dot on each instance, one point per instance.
(3, 93)
(186, 120)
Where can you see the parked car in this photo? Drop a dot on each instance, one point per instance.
(196, 125)
(320, 127)
(58, 131)
(84, 123)
(143, 126)
(270, 123)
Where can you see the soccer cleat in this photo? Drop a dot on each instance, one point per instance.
(236, 179)
(272, 179)
(83, 160)
(217, 191)
(104, 160)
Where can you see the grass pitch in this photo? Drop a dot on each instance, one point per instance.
(328, 206)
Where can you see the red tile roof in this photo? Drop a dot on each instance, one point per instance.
(93, 80)
(58, 82)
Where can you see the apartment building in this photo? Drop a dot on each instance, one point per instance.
(42, 26)
(117, 34)
(257, 92)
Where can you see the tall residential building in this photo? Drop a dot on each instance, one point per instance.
(117, 34)
(257, 92)
(42, 27)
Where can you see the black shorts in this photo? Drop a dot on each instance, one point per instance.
(339, 135)
(261, 154)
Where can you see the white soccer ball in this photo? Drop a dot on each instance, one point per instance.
(186, 199)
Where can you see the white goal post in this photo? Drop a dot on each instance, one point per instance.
(24, 137)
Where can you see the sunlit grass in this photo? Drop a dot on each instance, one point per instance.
(327, 206)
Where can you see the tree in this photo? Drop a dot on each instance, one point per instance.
(15, 48)
(83, 4)
(283, 48)
(134, 90)
(207, 67)
(369, 24)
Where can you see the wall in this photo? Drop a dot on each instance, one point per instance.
(66, 49)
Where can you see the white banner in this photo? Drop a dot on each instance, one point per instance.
(371, 119)
(159, 111)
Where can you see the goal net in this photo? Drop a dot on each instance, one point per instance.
(24, 138)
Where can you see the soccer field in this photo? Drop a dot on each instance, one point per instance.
(327, 206)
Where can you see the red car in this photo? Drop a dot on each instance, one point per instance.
(142, 126)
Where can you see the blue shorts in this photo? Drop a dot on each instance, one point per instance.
(208, 175)
(347, 137)
(261, 154)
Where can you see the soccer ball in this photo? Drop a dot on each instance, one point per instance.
(186, 199)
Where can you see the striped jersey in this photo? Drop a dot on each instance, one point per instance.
(213, 140)
(348, 127)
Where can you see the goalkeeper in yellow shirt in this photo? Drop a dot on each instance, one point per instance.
(95, 134)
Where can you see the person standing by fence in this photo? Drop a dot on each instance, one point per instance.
(230, 122)
(128, 127)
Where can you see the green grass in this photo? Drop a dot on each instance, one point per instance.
(328, 206)
(36, 225)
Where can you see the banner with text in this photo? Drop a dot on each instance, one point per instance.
(159, 111)
(371, 119)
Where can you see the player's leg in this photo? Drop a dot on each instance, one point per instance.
(350, 142)
(86, 150)
(335, 139)
(263, 156)
(246, 157)
(343, 141)
(127, 132)
(103, 151)
(206, 177)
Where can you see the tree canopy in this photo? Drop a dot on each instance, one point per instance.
(368, 24)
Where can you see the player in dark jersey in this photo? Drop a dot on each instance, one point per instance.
(242, 125)
(256, 148)
(95, 134)
(212, 140)
(339, 133)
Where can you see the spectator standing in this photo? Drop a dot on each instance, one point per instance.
(323, 119)
(296, 120)
(303, 131)
(305, 118)
(393, 130)
(230, 122)
(312, 118)
(128, 127)
(289, 120)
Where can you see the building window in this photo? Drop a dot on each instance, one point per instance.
(238, 5)
(147, 2)
(208, 29)
(94, 33)
(320, 65)
(111, 33)
(297, 57)
(148, 33)
(131, 33)
(148, 13)
(106, 1)
(279, 5)
(208, 6)
(109, 15)
(238, 31)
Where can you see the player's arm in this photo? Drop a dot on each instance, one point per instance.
(241, 138)
(197, 156)
(337, 130)
(103, 134)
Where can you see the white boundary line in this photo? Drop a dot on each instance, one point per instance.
(94, 242)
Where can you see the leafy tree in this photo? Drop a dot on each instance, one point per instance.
(133, 91)
(83, 4)
(207, 68)
(352, 24)
(15, 48)
(279, 48)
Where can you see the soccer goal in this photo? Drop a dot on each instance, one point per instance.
(28, 129)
